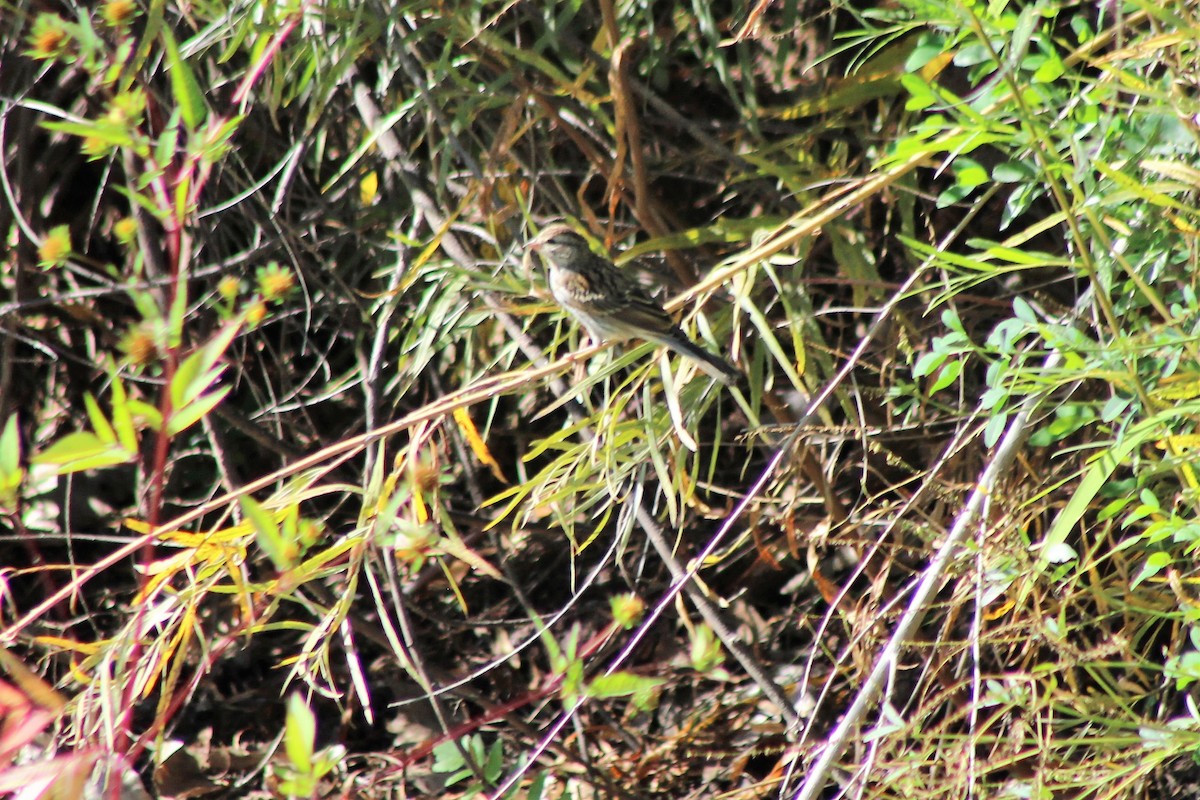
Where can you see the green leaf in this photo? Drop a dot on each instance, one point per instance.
(147, 412)
(143, 202)
(188, 96)
(177, 313)
(1023, 311)
(164, 148)
(1101, 468)
(187, 416)
(994, 429)
(953, 194)
(1013, 172)
(928, 363)
(198, 371)
(123, 417)
(946, 376)
(1155, 563)
(106, 132)
(327, 760)
(447, 757)
(766, 332)
(493, 768)
(971, 54)
(300, 733)
(187, 383)
(536, 788)
(267, 533)
(10, 447)
(624, 684)
(1051, 70)
(216, 142)
(71, 447)
(82, 450)
(706, 653)
(921, 94)
(969, 173)
(11, 473)
(928, 48)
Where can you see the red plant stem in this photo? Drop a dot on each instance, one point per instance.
(173, 235)
(162, 443)
(269, 54)
(127, 747)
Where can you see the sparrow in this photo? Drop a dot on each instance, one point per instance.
(611, 306)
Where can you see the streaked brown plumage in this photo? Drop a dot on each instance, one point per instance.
(609, 305)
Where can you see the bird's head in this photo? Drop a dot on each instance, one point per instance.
(560, 245)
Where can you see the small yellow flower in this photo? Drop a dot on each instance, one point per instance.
(627, 609)
(274, 282)
(95, 147)
(55, 247)
(118, 13)
(139, 346)
(228, 288)
(256, 313)
(49, 37)
(368, 188)
(126, 230)
(127, 108)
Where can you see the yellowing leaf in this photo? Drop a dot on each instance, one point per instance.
(478, 446)
(1178, 387)
(368, 188)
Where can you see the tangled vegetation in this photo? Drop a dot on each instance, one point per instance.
(309, 489)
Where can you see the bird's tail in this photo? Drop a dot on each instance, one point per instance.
(714, 365)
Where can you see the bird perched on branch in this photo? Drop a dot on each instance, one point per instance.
(609, 304)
